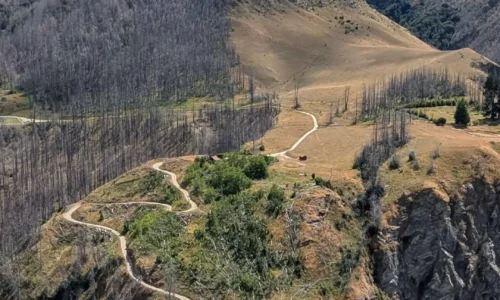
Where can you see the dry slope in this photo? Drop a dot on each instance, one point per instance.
(326, 48)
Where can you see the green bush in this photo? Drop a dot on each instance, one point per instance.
(228, 180)
(275, 201)
(150, 182)
(210, 195)
(233, 223)
(395, 162)
(153, 231)
(323, 182)
(256, 168)
(233, 174)
(462, 113)
(169, 194)
(440, 122)
(412, 156)
(423, 115)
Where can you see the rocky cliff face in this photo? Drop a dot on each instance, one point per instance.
(439, 249)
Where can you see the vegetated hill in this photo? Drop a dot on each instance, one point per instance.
(328, 47)
(274, 237)
(449, 24)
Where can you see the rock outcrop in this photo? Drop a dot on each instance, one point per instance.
(443, 250)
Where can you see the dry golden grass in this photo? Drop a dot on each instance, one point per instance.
(14, 104)
(331, 151)
(448, 112)
(311, 46)
(112, 216)
(51, 261)
(463, 156)
(290, 127)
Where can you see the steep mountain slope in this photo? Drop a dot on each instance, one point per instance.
(449, 24)
(327, 48)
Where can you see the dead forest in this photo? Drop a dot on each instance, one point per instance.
(415, 85)
(111, 78)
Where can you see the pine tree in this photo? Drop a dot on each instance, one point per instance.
(491, 88)
(462, 114)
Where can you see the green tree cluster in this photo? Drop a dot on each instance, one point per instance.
(462, 114)
(212, 180)
(276, 200)
(491, 106)
(236, 230)
(431, 22)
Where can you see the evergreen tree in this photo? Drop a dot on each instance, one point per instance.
(462, 114)
(491, 89)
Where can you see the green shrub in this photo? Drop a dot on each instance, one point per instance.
(275, 201)
(169, 194)
(462, 113)
(415, 165)
(256, 168)
(150, 182)
(152, 231)
(412, 156)
(232, 222)
(423, 115)
(210, 195)
(395, 162)
(440, 122)
(323, 182)
(228, 180)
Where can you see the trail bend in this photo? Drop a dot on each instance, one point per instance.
(68, 215)
(302, 138)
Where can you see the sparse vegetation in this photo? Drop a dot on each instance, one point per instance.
(275, 201)
(436, 153)
(431, 170)
(412, 156)
(415, 165)
(382, 146)
(413, 88)
(395, 162)
(323, 182)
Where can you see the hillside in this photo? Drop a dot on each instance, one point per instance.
(449, 24)
(241, 239)
(371, 198)
(324, 49)
(436, 211)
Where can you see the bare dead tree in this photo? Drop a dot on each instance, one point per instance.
(296, 94)
(347, 93)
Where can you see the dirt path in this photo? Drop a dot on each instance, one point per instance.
(23, 120)
(68, 215)
(315, 127)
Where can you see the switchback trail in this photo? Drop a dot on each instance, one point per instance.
(68, 215)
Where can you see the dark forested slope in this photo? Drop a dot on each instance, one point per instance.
(70, 51)
(109, 68)
(449, 24)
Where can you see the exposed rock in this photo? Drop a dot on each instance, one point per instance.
(446, 250)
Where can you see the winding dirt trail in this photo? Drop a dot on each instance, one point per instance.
(299, 141)
(68, 215)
